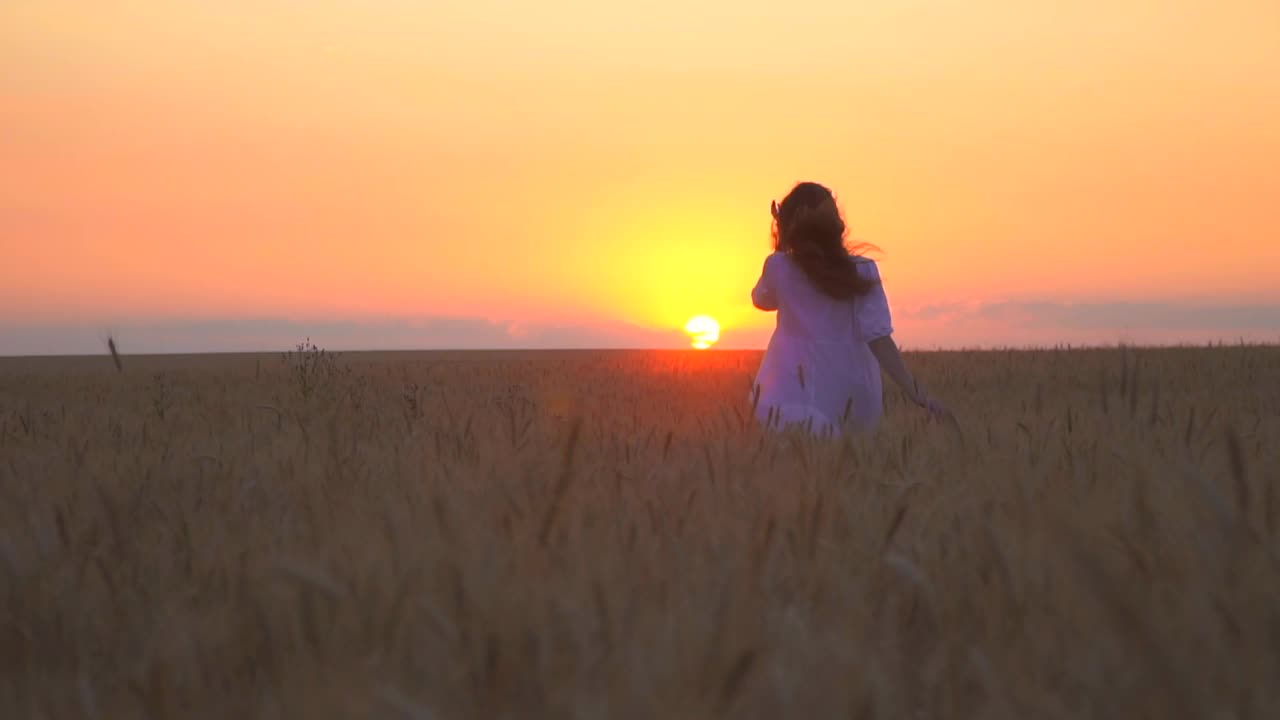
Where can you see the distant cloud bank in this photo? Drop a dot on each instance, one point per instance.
(1014, 323)
(275, 334)
(945, 325)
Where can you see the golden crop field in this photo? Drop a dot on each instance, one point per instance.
(608, 535)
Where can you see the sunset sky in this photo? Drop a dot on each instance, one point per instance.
(237, 175)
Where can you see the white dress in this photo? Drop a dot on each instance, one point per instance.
(818, 368)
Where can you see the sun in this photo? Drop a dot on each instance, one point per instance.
(703, 331)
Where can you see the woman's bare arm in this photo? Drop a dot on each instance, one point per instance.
(886, 352)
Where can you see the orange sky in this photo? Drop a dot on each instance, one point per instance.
(592, 163)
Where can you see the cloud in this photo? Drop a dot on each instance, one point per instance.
(942, 325)
(1048, 323)
(272, 334)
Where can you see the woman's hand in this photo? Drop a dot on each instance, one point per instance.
(886, 353)
(935, 407)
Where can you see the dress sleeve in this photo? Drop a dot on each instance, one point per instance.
(874, 318)
(764, 295)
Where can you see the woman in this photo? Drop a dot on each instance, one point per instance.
(834, 333)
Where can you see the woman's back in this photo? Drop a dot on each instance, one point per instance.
(818, 368)
(806, 313)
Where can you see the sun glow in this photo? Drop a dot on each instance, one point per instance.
(703, 331)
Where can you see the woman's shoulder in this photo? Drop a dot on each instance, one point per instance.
(776, 259)
(866, 266)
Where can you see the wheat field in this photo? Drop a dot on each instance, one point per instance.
(608, 535)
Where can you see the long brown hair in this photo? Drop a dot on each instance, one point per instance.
(808, 227)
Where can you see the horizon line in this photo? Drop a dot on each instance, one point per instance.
(1063, 347)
